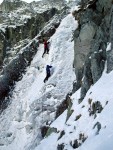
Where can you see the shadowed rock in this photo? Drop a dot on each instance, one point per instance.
(90, 42)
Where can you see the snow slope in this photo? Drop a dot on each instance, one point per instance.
(97, 128)
(33, 102)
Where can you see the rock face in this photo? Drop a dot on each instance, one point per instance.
(13, 71)
(110, 53)
(9, 5)
(1, 47)
(82, 48)
(30, 29)
(35, 24)
(90, 42)
(21, 21)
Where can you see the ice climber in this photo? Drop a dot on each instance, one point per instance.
(48, 72)
(46, 49)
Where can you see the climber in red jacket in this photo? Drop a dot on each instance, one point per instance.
(46, 49)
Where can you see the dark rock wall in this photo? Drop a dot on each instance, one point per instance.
(1, 47)
(13, 72)
(110, 53)
(9, 6)
(28, 30)
(90, 42)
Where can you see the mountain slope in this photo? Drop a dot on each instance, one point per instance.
(89, 127)
(85, 117)
(34, 102)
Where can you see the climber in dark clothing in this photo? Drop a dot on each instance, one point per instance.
(46, 49)
(48, 74)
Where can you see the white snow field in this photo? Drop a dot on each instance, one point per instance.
(97, 139)
(34, 102)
